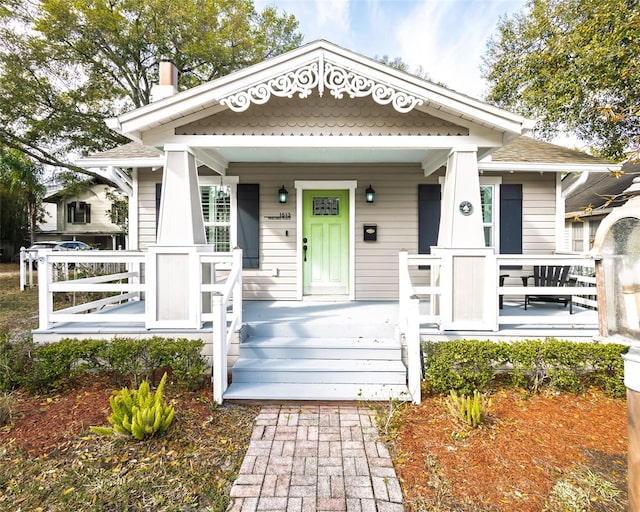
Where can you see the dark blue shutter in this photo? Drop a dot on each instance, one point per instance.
(158, 195)
(511, 219)
(248, 197)
(428, 217)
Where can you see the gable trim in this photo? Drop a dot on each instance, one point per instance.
(323, 74)
(157, 114)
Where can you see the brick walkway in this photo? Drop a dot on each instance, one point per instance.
(314, 458)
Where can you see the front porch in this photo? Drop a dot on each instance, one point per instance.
(343, 350)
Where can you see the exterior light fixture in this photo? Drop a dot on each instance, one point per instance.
(369, 194)
(283, 194)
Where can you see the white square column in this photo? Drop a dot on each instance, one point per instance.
(467, 276)
(174, 273)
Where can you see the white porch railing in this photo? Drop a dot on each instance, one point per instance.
(80, 274)
(121, 276)
(410, 317)
(581, 291)
(226, 311)
(420, 277)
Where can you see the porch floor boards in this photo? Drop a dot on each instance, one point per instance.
(338, 316)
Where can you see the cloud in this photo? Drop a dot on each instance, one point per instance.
(333, 14)
(448, 39)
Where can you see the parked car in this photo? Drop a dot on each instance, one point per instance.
(66, 245)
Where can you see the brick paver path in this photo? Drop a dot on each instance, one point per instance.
(314, 458)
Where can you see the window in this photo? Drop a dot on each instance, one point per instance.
(216, 210)
(218, 200)
(577, 236)
(326, 206)
(78, 212)
(501, 208)
(487, 194)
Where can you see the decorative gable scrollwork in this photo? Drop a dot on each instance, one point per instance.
(336, 79)
(340, 81)
(301, 81)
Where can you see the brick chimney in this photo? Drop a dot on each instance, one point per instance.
(168, 85)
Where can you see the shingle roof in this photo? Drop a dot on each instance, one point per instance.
(527, 149)
(130, 150)
(600, 187)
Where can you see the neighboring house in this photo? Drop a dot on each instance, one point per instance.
(326, 168)
(82, 216)
(594, 200)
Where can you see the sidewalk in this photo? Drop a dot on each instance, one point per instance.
(316, 458)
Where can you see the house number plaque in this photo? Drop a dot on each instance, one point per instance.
(466, 208)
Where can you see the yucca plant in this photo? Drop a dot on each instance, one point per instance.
(470, 410)
(138, 413)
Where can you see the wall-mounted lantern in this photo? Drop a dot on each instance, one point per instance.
(283, 194)
(370, 194)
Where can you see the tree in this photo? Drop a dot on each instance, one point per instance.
(66, 65)
(572, 64)
(22, 193)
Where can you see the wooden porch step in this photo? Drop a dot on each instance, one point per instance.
(333, 392)
(307, 359)
(317, 348)
(319, 371)
(328, 329)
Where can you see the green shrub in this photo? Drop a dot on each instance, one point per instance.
(127, 360)
(461, 366)
(139, 413)
(6, 400)
(123, 357)
(466, 365)
(183, 356)
(54, 364)
(608, 369)
(15, 356)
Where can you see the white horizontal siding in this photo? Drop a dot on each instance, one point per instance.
(147, 180)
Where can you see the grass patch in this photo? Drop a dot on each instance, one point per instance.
(191, 468)
(585, 489)
(18, 310)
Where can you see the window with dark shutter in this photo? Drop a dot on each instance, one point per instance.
(158, 195)
(428, 217)
(78, 212)
(511, 219)
(248, 197)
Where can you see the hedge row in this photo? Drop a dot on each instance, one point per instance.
(127, 360)
(467, 365)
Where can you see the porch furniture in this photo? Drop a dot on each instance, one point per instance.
(551, 276)
(501, 297)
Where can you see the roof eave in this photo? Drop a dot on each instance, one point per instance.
(547, 167)
(123, 162)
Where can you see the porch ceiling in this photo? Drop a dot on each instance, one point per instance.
(320, 156)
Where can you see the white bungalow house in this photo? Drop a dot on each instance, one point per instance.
(371, 207)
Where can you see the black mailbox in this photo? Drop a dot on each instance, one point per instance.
(370, 233)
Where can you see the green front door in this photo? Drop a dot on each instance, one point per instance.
(325, 240)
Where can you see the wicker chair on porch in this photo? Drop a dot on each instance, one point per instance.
(553, 276)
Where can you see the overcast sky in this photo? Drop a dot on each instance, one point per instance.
(446, 37)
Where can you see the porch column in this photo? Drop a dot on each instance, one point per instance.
(180, 221)
(468, 274)
(461, 216)
(174, 268)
